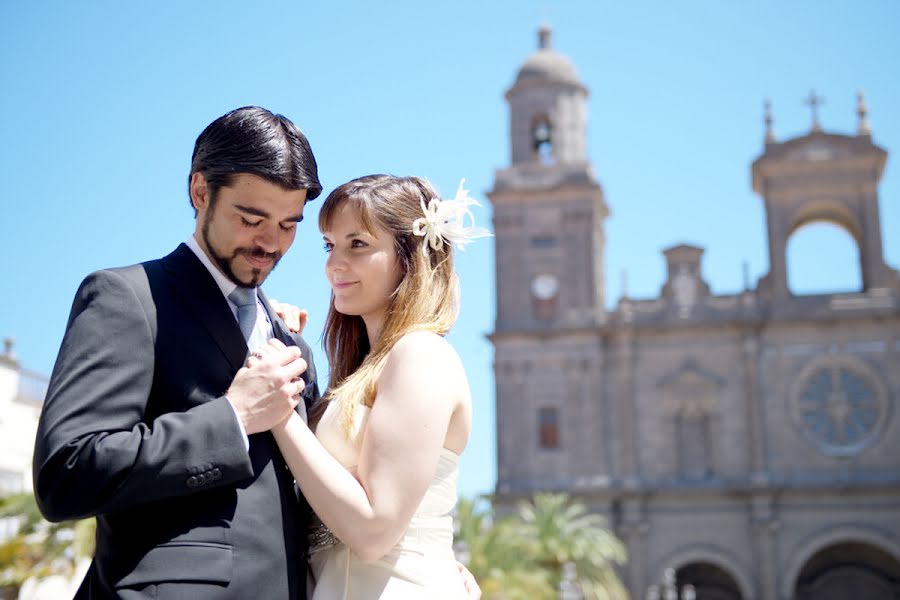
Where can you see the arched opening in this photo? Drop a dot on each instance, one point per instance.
(849, 570)
(542, 139)
(710, 581)
(823, 258)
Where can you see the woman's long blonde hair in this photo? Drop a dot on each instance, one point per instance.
(426, 299)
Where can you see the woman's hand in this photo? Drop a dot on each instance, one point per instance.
(295, 318)
(472, 588)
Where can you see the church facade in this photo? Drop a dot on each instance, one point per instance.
(750, 441)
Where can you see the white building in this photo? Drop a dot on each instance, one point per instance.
(21, 396)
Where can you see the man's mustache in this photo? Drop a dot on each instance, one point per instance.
(258, 253)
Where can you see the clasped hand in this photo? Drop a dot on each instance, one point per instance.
(266, 390)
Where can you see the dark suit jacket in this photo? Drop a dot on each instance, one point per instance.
(137, 431)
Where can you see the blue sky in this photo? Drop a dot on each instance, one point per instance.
(102, 101)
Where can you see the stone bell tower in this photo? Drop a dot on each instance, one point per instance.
(549, 208)
(548, 222)
(823, 177)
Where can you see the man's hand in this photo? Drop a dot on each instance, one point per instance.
(295, 318)
(472, 588)
(266, 390)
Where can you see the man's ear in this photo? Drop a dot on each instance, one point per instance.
(199, 191)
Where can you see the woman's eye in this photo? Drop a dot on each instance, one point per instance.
(358, 244)
(328, 246)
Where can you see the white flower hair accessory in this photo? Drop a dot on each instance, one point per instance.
(444, 221)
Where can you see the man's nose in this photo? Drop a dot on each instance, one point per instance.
(267, 239)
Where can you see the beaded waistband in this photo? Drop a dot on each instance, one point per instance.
(434, 533)
(320, 537)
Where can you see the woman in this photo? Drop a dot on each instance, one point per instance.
(380, 471)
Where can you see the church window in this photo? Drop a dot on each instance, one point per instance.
(693, 446)
(543, 241)
(548, 428)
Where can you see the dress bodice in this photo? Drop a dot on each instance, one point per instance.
(421, 564)
(434, 510)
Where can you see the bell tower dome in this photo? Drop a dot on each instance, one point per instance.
(548, 108)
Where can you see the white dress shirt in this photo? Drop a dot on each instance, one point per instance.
(262, 329)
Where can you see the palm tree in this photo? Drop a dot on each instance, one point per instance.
(563, 531)
(499, 555)
(39, 548)
(522, 557)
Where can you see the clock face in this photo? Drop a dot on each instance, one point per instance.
(544, 286)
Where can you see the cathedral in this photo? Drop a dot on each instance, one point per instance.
(750, 442)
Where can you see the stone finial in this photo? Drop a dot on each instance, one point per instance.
(767, 118)
(544, 35)
(8, 355)
(862, 111)
(814, 101)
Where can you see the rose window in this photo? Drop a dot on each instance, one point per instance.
(839, 408)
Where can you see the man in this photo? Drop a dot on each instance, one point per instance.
(152, 423)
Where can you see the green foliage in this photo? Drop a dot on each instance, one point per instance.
(40, 548)
(522, 556)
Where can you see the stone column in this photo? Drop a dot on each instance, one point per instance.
(754, 403)
(765, 526)
(874, 271)
(633, 530)
(625, 392)
(777, 222)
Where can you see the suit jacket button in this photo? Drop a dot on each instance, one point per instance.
(192, 482)
(216, 474)
(201, 479)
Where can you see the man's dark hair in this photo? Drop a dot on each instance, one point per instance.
(254, 140)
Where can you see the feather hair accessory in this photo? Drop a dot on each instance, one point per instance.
(445, 222)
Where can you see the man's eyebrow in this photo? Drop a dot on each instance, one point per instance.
(250, 210)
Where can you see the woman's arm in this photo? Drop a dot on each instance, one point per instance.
(422, 384)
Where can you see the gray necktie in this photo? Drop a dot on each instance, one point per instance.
(245, 299)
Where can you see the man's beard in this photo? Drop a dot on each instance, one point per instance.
(224, 262)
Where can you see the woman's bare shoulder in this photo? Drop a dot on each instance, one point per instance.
(425, 353)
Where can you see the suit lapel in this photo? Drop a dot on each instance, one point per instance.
(197, 289)
(279, 329)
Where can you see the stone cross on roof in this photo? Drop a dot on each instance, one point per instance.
(814, 101)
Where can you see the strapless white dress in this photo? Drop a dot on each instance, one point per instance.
(420, 565)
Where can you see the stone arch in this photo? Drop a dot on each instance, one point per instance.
(831, 536)
(807, 270)
(829, 211)
(543, 137)
(827, 177)
(715, 555)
